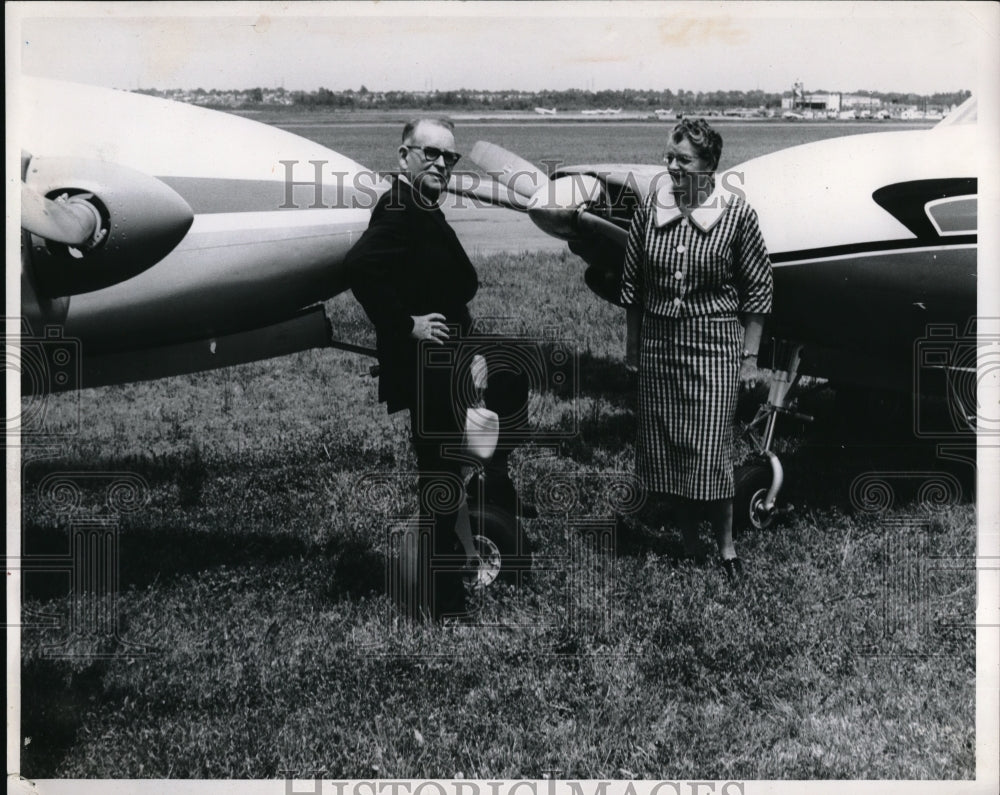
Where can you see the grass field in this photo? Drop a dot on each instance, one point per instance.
(374, 144)
(254, 638)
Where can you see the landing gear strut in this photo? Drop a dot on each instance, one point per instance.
(758, 483)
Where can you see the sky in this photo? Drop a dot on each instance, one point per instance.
(701, 46)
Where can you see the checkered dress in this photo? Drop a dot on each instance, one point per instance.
(691, 276)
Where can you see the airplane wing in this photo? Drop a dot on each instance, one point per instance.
(213, 228)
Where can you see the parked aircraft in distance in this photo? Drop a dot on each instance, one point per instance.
(546, 111)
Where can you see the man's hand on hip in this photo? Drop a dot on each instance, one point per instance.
(430, 327)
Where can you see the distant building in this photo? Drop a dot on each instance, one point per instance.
(860, 102)
(829, 103)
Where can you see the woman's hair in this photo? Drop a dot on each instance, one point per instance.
(706, 141)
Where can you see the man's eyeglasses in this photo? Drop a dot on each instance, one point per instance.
(432, 153)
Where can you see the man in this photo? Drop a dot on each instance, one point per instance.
(414, 280)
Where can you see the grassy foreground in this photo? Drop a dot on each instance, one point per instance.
(254, 639)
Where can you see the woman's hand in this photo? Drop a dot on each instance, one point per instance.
(749, 375)
(430, 327)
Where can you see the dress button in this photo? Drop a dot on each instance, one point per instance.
(681, 248)
(678, 275)
(677, 301)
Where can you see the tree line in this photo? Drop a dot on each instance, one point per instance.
(578, 99)
(569, 99)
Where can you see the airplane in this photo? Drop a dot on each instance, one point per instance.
(873, 241)
(546, 111)
(219, 236)
(160, 238)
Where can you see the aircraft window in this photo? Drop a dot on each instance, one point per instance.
(953, 215)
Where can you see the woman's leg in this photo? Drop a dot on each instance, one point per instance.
(720, 514)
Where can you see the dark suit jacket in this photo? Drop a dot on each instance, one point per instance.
(408, 262)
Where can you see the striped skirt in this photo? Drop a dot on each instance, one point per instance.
(688, 384)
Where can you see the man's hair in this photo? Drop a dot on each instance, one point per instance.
(412, 124)
(706, 141)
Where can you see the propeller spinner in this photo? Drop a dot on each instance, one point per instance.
(116, 223)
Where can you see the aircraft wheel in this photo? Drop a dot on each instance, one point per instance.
(500, 535)
(491, 567)
(752, 484)
(429, 583)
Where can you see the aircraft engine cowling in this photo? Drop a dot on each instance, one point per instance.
(142, 220)
(555, 206)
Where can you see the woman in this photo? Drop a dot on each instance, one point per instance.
(697, 270)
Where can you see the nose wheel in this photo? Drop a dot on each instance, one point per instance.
(750, 511)
(757, 484)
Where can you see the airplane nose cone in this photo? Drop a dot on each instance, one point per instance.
(143, 219)
(147, 221)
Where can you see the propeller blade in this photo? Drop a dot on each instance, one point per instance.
(142, 219)
(522, 177)
(62, 222)
(555, 212)
(488, 191)
(588, 222)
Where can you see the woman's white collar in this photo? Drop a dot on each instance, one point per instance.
(705, 216)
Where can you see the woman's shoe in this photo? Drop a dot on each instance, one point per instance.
(733, 567)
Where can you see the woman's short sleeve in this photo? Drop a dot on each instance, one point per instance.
(631, 284)
(752, 267)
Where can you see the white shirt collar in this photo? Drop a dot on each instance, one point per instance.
(406, 181)
(704, 216)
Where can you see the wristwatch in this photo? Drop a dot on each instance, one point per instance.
(748, 354)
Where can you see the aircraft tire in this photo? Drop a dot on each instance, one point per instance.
(501, 528)
(427, 583)
(752, 484)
